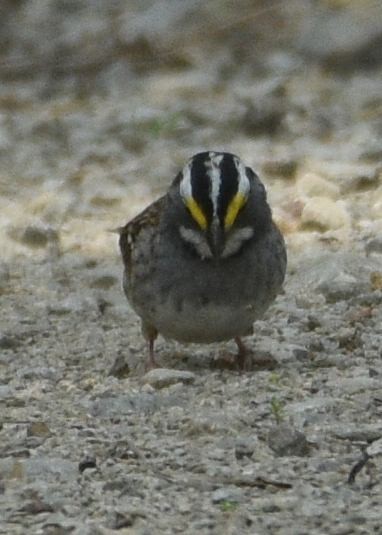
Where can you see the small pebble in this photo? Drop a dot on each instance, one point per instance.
(38, 429)
(163, 377)
(244, 447)
(374, 245)
(227, 494)
(87, 462)
(285, 440)
(120, 368)
(34, 236)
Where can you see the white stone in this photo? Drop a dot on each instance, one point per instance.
(375, 448)
(163, 377)
(313, 185)
(227, 494)
(325, 213)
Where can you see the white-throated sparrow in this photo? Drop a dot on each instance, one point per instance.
(204, 261)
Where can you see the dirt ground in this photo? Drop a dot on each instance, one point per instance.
(101, 103)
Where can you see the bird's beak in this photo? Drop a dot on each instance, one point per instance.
(216, 238)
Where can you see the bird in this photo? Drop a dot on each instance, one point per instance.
(206, 260)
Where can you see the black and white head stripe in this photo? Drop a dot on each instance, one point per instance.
(214, 186)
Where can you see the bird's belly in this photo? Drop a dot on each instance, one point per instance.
(204, 303)
(203, 324)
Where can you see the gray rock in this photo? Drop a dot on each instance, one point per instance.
(122, 520)
(263, 117)
(89, 462)
(375, 448)
(59, 524)
(374, 245)
(6, 392)
(163, 377)
(338, 276)
(4, 275)
(34, 235)
(217, 454)
(284, 440)
(39, 372)
(244, 447)
(229, 494)
(8, 341)
(73, 304)
(360, 432)
(352, 385)
(341, 287)
(203, 525)
(110, 405)
(152, 17)
(103, 281)
(38, 429)
(39, 470)
(282, 168)
(120, 368)
(352, 177)
(343, 38)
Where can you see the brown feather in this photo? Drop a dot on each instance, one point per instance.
(130, 232)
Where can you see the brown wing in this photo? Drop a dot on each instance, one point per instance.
(130, 232)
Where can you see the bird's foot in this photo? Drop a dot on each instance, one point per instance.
(242, 354)
(228, 361)
(224, 360)
(245, 359)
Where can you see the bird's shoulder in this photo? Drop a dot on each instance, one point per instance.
(147, 221)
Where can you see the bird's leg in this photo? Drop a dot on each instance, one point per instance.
(247, 360)
(151, 363)
(150, 333)
(241, 354)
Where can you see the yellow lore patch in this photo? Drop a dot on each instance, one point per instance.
(234, 208)
(196, 212)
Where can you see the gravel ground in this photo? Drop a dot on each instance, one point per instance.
(92, 128)
(91, 444)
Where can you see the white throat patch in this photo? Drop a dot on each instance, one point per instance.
(197, 240)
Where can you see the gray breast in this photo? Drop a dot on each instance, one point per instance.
(206, 301)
